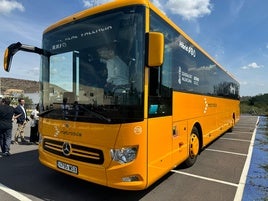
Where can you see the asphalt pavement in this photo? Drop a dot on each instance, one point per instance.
(219, 174)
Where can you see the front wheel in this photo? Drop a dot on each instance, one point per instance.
(193, 148)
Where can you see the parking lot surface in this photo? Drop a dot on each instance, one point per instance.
(219, 174)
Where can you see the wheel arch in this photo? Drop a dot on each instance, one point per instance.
(195, 133)
(200, 134)
(233, 122)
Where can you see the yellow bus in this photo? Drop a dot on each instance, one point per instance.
(126, 95)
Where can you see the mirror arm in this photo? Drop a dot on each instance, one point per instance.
(28, 48)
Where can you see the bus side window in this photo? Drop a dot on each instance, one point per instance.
(160, 96)
(154, 82)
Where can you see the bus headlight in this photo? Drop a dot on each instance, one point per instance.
(124, 155)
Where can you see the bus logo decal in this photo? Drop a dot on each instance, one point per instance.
(206, 105)
(66, 148)
(56, 134)
(188, 48)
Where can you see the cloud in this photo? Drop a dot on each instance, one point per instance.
(236, 6)
(189, 10)
(252, 65)
(243, 83)
(159, 5)
(7, 7)
(87, 3)
(91, 3)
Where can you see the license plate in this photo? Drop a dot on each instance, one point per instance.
(67, 167)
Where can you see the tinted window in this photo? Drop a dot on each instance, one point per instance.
(190, 69)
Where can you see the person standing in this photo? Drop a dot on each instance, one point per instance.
(6, 122)
(21, 121)
(34, 135)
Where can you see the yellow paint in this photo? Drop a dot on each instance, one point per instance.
(162, 142)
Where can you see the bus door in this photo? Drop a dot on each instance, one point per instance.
(159, 125)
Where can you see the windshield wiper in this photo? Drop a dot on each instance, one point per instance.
(45, 112)
(96, 114)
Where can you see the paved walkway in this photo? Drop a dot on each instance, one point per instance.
(22, 147)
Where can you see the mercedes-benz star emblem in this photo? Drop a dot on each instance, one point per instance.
(66, 148)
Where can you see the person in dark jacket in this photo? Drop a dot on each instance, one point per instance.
(22, 119)
(6, 119)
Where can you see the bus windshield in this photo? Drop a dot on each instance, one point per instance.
(95, 69)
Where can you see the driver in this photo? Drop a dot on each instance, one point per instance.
(118, 71)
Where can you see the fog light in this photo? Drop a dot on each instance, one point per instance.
(130, 179)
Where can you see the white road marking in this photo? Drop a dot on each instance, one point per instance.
(13, 193)
(234, 139)
(226, 152)
(205, 178)
(241, 132)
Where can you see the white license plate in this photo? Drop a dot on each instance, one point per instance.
(67, 167)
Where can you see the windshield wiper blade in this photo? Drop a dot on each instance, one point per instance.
(45, 112)
(96, 114)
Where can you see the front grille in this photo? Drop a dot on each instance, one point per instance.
(78, 152)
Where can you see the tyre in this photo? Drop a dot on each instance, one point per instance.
(194, 145)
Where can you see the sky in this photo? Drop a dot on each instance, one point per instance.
(233, 32)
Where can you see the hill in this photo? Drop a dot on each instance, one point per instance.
(28, 86)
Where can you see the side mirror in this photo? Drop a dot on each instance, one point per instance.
(9, 53)
(155, 49)
(15, 47)
(7, 60)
